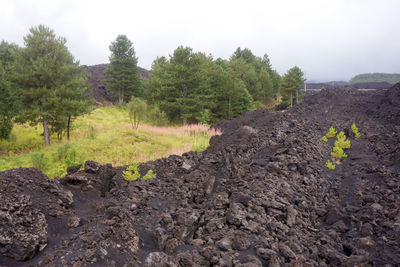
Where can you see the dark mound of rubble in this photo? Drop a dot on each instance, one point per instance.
(96, 78)
(260, 195)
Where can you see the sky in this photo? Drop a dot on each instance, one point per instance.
(327, 39)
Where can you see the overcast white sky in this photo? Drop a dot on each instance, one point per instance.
(327, 39)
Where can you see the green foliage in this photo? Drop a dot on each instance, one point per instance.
(331, 133)
(137, 111)
(192, 87)
(376, 77)
(149, 175)
(341, 141)
(354, 129)
(9, 102)
(39, 160)
(330, 165)
(338, 154)
(122, 74)
(132, 173)
(290, 86)
(156, 117)
(324, 138)
(51, 84)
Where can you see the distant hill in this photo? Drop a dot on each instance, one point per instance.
(96, 77)
(391, 78)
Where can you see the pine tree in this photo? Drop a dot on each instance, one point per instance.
(291, 86)
(47, 75)
(122, 74)
(9, 101)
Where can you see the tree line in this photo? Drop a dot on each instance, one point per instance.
(43, 83)
(391, 78)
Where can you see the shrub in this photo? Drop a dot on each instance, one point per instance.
(331, 133)
(149, 175)
(329, 165)
(338, 154)
(354, 129)
(39, 160)
(137, 111)
(341, 141)
(324, 138)
(132, 173)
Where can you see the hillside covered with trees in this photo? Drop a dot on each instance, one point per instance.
(42, 83)
(391, 78)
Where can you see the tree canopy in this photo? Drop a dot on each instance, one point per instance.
(193, 87)
(291, 86)
(51, 85)
(9, 101)
(122, 74)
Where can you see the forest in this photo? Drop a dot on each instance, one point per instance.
(391, 78)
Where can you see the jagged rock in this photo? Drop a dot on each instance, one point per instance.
(73, 221)
(23, 228)
(158, 259)
(260, 195)
(73, 169)
(92, 166)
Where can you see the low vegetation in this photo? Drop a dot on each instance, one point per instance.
(354, 129)
(340, 144)
(106, 136)
(132, 173)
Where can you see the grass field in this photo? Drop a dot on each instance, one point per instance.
(106, 136)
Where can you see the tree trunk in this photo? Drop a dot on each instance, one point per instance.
(68, 127)
(277, 96)
(46, 131)
(230, 107)
(291, 99)
(297, 97)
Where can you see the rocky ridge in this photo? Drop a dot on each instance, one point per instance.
(260, 195)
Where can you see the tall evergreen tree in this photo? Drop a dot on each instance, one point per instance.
(9, 101)
(8, 106)
(47, 74)
(122, 74)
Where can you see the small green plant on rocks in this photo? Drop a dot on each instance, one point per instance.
(354, 129)
(324, 138)
(338, 154)
(149, 175)
(331, 133)
(132, 173)
(330, 165)
(341, 141)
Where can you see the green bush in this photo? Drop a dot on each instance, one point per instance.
(338, 154)
(331, 133)
(330, 165)
(354, 129)
(324, 138)
(149, 175)
(132, 173)
(341, 141)
(39, 160)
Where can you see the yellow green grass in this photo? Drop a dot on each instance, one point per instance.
(105, 135)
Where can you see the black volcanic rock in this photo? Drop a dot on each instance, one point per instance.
(260, 195)
(96, 80)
